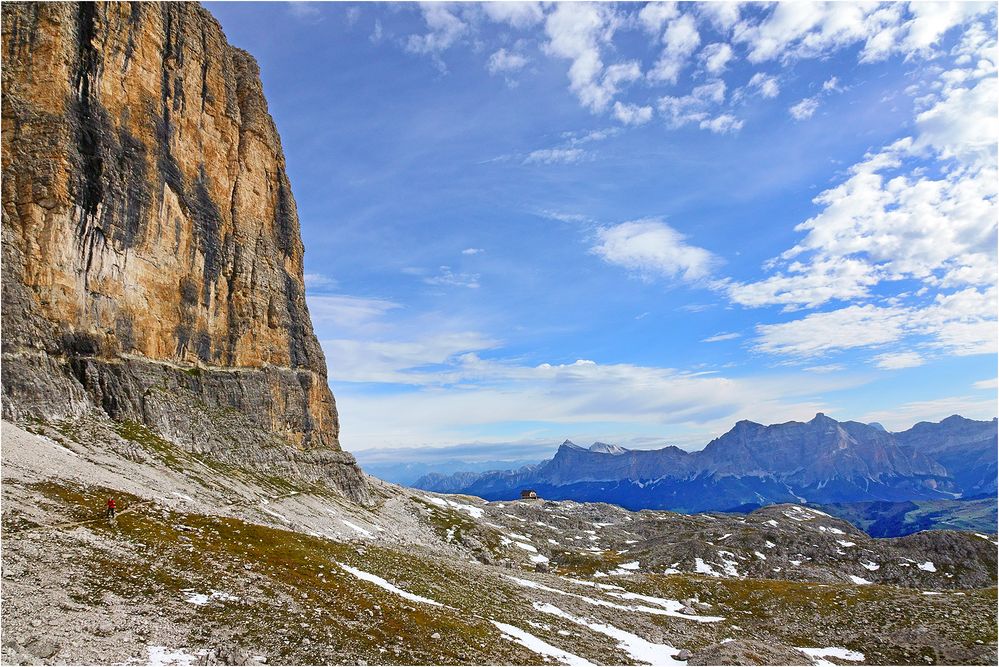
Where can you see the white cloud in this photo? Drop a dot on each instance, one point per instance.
(632, 114)
(555, 156)
(576, 31)
(807, 285)
(398, 361)
(716, 57)
(821, 333)
(960, 324)
(682, 39)
(317, 282)
(576, 139)
(832, 84)
(654, 15)
(446, 276)
(766, 85)
(825, 368)
(470, 392)
(723, 124)
(516, 14)
(445, 28)
(897, 360)
(652, 248)
(904, 416)
(987, 384)
(794, 30)
(720, 337)
(804, 109)
(472, 251)
(307, 11)
(722, 15)
(692, 108)
(505, 62)
(347, 314)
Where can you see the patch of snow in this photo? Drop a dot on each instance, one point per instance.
(161, 655)
(858, 580)
(474, 512)
(931, 593)
(700, 567)
(526, 547)
(182, 496)
(844, 543)
(759, 555)
(378, 581)
(872, 566)
(594, 584)
(795, 562)
(538, 558)
(629, 566)
(202, 598)
(928, 566)
(362, 531)
(673, 606)
(817, 654)
(526, 583)
(530, 642)
(770, 545)
(725, 537)
(772, 523)
(640, 650)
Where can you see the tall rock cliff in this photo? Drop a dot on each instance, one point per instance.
(152, 261)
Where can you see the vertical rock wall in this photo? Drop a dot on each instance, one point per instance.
(152, 260)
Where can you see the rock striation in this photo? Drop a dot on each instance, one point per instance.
(152, 260)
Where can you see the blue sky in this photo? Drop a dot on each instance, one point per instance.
(638, 223)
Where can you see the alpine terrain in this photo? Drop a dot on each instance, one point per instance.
(821, 461)
(158, 352)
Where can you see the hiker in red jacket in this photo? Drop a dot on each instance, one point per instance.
(111, 509)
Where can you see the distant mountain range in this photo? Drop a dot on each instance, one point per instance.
(821, 461)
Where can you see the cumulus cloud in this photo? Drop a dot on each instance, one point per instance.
(960, 324)
(796, 30)
(723, 124)
(505, 62)
(472, 251)
(632, 114)
(516, 14)
(681, 39)
(804, 109)
(444, 29)
(654, 15)
(652, 249)
(697, 107)
(577, 32)
(715, 57)
(722, 15)
(765, 84)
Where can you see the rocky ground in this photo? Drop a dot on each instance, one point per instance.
(212, 564)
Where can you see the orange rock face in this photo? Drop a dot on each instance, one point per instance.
(150, 236)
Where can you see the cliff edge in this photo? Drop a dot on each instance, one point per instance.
(152, 260)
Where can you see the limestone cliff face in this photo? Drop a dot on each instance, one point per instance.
(152, 261)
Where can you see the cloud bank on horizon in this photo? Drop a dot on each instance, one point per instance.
(640, 223)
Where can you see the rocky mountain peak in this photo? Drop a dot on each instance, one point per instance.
(604, 448)
(151, 249)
